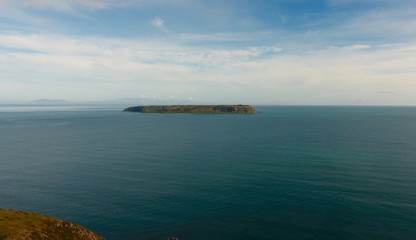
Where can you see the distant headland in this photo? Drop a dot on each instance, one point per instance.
(203, 109)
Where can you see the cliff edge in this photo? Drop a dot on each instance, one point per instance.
(215, 109)
(20, 225)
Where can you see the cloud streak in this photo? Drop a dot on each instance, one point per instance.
(65, 5)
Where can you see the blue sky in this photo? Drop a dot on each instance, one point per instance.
(330, 52)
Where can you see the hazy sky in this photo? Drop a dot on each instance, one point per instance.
(210, 51)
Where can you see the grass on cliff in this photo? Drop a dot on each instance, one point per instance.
(16, 223)
(28, 225)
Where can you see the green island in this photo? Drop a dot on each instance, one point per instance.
(21, 225)
(202, 109)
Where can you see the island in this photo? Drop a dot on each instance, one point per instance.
(16, 225)
(202, 109)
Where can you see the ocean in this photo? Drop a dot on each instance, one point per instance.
(289, 172)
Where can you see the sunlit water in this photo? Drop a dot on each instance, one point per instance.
(286, 173)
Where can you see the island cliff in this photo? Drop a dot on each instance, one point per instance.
(20, 225)
(215, 109)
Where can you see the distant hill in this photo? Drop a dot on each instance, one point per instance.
(50, 101)
(215, 109)
(20, 225)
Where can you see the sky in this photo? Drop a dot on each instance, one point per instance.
(277, 52)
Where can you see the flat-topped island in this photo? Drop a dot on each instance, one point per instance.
(202, 109)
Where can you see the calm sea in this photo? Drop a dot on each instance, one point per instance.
(286, 173)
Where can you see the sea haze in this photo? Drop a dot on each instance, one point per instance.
(285, 173)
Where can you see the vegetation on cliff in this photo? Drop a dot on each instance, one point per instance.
(240, 109)
(20, 225)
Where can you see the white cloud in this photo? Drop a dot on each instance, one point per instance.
(158, 22)
(134, 50)
(349, 48)
(97, 68)
(357, 47)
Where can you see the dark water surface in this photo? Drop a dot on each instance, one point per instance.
(286, 173)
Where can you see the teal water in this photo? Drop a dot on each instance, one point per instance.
(286, 173)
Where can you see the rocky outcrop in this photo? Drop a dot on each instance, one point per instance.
(205, 109)
(20, 225)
